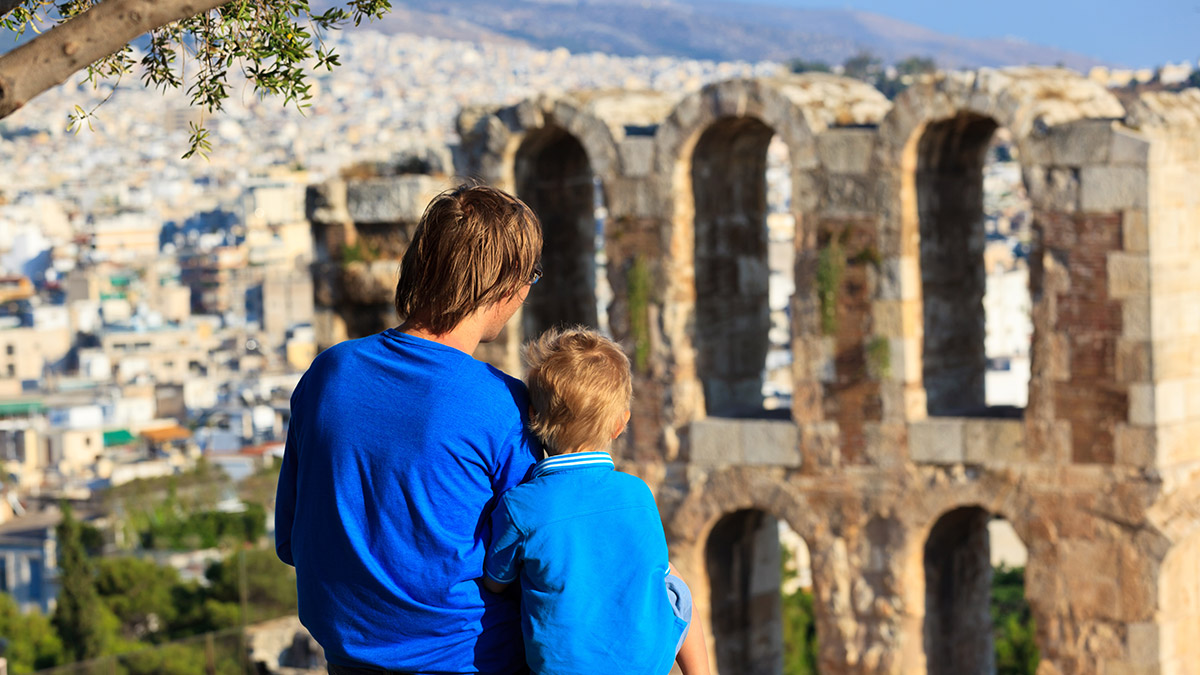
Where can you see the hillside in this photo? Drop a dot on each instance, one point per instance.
(708, 29)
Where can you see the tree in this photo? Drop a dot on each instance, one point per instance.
(140, 593)
(1013, 624)
(269, 41)
(863, 66)
(32, 642)
(806, 66)
(81, 621)
(916, 65)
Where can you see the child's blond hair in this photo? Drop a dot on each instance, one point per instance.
(580, 388)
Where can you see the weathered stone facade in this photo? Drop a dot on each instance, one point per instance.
(890, 465)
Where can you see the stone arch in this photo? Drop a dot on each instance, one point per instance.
(727, 125)
(718, 536)
(552, 174)
(549, 150)
(931, 151)
(951, 553)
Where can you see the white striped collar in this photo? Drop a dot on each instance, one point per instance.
(574, 460)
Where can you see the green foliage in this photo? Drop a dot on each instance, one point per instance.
(799, 626)
(831, 266)
(869, 68)
(270, 42)
(141, 504)
(206, 529)
(639, 312)
(189, 658)
(1193, 79)
(270, 584)
(140, 594)
(359, 252)
(84, 625)
(32, 642)
(879, 357)
(916, 65)
(1012, 621)
(807, 66)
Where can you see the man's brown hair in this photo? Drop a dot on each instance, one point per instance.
(475, 245)
(579, 389)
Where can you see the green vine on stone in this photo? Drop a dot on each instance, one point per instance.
(831, 266)
(879, 357)
(639, 312)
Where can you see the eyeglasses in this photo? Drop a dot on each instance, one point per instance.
(537, 273)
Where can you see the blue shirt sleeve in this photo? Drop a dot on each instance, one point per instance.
(503, 562)
(521, 452)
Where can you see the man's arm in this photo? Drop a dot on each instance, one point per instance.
(285, 493)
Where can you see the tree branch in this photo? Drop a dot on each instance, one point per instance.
(51, 58)
(7, 6)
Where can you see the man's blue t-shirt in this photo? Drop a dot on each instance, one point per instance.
(587, 544)
(397, 452)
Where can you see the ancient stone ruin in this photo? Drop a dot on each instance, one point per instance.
(888, 464)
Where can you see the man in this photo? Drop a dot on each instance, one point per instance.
(399, 447)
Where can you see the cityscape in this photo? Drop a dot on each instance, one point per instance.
(157, 312)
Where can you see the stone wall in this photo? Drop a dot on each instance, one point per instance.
(889, 464)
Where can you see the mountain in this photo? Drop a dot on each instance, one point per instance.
(708, 29)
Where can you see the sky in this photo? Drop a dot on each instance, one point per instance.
(1134, 33)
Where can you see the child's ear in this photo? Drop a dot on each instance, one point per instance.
(621, 425)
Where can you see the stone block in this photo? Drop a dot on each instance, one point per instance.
(937, 441)
(1142, 642)
(770, 443)
(1134, 232)
(1093, 594)
(1141, 405)
(1133, 446)
(637, 156)
(1081, 143)
(390, 200)
(846, 150)
(1135, 318)
(1109, 667)
(887, 316)
(1128, 274)
(715, 442)
(1128, 148)
(1054, 190)
(992, 441)
(1106, 189)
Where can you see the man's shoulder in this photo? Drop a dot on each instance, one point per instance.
(495, 387)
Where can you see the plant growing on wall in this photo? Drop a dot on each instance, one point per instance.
(639, 283)
(831, 266)
(879, 357)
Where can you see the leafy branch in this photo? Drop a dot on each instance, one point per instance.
(273, 43)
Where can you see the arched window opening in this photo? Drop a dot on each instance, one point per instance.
(733, 304)
(1007, 305)
(781, 281)
(958, 219)
(976, 617)
(745, 560)
(553, 176)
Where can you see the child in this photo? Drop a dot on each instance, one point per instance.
(597, 592)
